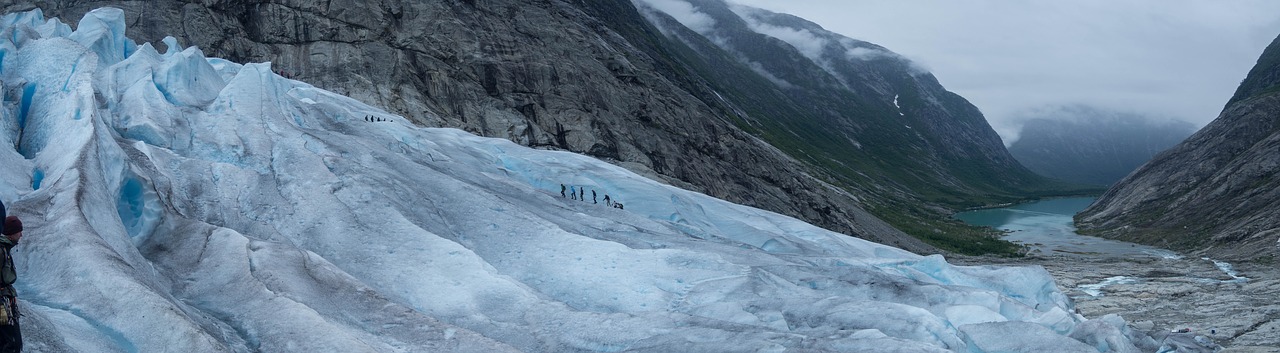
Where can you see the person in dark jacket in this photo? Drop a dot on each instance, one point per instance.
(562, 190)
(10, 334)
(593, 196)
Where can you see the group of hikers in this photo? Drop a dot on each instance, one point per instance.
(10, 335)
(580, 194)
(374, 118)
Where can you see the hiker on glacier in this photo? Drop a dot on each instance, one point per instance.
(10, 335)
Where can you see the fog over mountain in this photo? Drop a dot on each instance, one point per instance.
(1086, 145)
(1178, 58)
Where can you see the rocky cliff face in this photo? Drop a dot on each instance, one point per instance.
(594, 77)
(865, 108)
(1216, 193)
(1087, 145)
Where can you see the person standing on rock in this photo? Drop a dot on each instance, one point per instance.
(10, 334)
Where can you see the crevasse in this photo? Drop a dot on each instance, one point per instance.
(207, 206)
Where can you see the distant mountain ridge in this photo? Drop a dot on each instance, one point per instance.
(874, 120)
(819, 139)
(1087, 145)
(1217, 192)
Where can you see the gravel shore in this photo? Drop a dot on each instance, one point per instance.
(1235, 305)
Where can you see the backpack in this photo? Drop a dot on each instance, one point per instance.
(8, 274)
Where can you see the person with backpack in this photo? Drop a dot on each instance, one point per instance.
(573, 192)
(10, 334)
(562, 190)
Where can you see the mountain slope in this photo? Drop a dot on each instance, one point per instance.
(1086, 145)
(545, 75)
(871, 120)
(1216, 193)
(595, 77)
(888, 109)
(178, 203)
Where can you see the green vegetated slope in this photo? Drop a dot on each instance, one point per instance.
(914, 162)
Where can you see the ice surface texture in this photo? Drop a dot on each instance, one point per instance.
(189, 204)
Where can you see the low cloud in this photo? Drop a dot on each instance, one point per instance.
(1180, 58)
(683, 12)
(812, 45)
(759, 69)
(802, 39)
(805, 41)
(1010, 129)
(867, 54)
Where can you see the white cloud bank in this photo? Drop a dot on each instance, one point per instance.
(683, 12)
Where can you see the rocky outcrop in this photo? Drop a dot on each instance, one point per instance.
(1088, 145)
(824, 139)
(1217, 192)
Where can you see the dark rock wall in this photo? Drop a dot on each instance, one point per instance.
(1217, 193)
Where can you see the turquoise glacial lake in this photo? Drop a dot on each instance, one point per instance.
(1047, 227)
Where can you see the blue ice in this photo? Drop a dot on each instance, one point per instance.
(240, 229)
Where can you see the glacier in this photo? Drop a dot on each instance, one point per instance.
(181, 203)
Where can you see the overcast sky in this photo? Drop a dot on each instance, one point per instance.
(1168, 58)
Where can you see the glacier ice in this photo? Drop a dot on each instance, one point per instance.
(1015, 336)
(182, 203)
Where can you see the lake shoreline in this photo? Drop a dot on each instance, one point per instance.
(1027, 201)
(1047, 227)
(1156, 290)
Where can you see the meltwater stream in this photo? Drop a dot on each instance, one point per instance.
(1208, 302)
(1046, 226)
